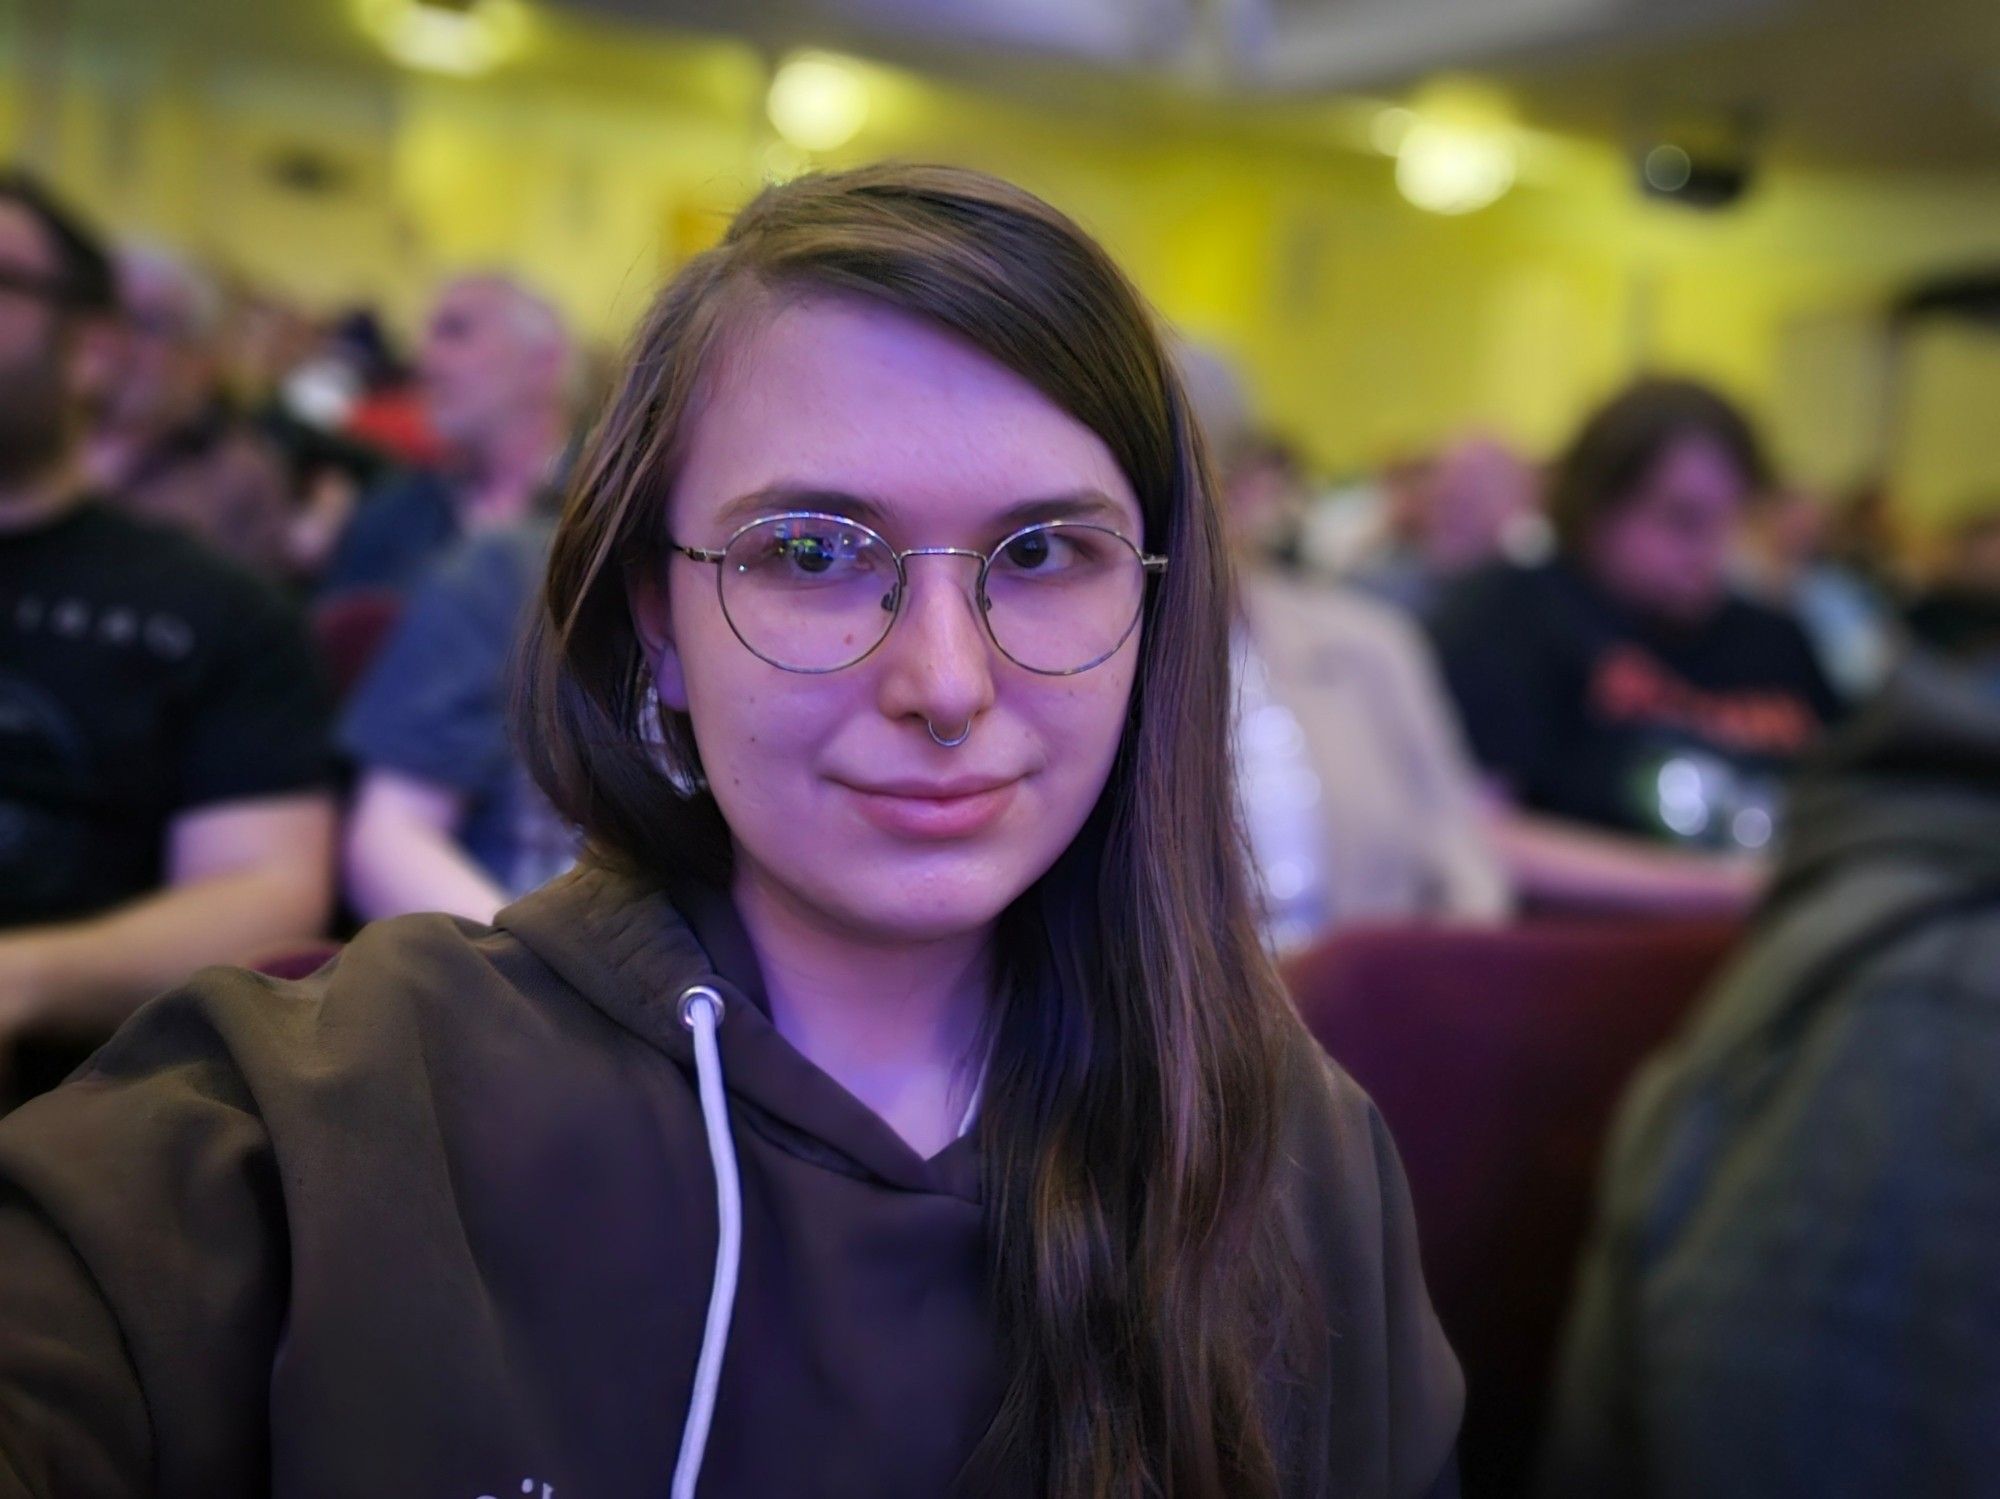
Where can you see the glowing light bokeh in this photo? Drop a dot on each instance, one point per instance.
(817, 103)
(461, 42)
(1453, 169)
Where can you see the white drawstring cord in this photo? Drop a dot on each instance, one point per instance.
(971, 1115)
(701, 1012)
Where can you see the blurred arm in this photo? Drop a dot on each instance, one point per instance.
(403, 854)
(1558, 862)
(1466, 867)
(241, 876)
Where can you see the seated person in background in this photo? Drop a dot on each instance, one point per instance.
(162, 742)
(1367, 519)
(1636, 719)
(270, 354)
(1784, 562)
(1474, 503)
(386, 410)
(1359, 798)
(166, 447)
(494, 374)
(1264, 495)
(1794, 1286)
(1972, 558)
(445, 816)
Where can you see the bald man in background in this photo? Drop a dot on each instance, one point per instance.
(444, 817)
(495, 373)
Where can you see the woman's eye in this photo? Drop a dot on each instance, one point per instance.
(1031, 552)
(809, 554)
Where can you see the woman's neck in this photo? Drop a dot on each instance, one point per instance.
(895, 1023)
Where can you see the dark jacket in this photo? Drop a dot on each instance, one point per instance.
(1794, 1288)
(440, 1221)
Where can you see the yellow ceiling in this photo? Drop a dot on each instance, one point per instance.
(1834, 83)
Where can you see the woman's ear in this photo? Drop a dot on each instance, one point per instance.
(652, 621)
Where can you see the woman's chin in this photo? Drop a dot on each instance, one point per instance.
(929, 905)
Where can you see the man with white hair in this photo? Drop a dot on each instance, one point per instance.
(494, 374)
(444, 817)
(165, 447)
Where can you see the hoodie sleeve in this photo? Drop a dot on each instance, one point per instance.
(140, 1231)
(1394, 1396)
(1426, 1389)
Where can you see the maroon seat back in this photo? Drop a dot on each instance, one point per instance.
(1497, 1057)
(350, 630)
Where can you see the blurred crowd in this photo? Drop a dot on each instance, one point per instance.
(1472, 685)
(262, 572)
(1576, 686)
(260, 579)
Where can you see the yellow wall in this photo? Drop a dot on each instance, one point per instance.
(1365, 327)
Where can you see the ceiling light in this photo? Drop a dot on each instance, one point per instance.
(1453, 169)
(463, 38)
(817, 103)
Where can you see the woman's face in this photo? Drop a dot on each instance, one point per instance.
(840, 804)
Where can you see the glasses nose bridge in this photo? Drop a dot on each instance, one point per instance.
(979, 557)
(903, 571)
(972, 589)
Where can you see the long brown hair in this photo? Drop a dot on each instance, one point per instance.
(1133, 1101)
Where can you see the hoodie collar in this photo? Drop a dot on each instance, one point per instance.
(631, 948)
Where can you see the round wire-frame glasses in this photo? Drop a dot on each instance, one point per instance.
(1143, 566)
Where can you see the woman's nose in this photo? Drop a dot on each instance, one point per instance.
(940, 658)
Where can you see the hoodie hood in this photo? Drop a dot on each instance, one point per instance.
(1915, 775)
(632, 947)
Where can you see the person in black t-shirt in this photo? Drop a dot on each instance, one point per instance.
(163, 800)
(1636, 720)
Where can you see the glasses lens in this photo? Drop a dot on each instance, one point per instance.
(809, 593)
(1063, 597)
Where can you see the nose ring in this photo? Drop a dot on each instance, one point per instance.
(944, 743)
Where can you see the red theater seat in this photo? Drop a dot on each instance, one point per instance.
(350, 630)
(1497, 1057)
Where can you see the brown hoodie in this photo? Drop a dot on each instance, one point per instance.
(441, 1221)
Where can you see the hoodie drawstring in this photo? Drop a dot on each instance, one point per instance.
(701, 1013)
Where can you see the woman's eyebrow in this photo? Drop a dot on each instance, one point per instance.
(1079, 504)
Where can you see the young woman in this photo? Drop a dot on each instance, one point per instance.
(897, 1100)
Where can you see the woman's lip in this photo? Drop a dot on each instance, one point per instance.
(929, 814)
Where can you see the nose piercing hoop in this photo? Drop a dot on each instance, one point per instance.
(944, 743)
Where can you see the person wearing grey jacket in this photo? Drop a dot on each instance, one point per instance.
(1794, 1285)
